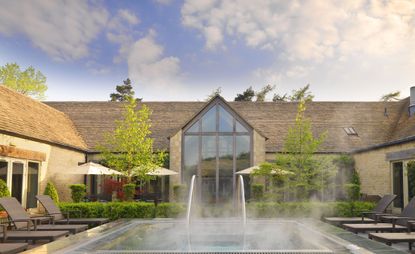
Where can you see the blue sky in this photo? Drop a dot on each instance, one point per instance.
(182, 50)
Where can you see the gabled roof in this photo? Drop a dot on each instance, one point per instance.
(28, 118)
(272, 119)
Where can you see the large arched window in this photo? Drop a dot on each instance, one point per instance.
(216, 144)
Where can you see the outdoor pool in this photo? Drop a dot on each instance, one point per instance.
(207, 236)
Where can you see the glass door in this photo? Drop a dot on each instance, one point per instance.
(397, 184)
(17, 181)
(32, 184)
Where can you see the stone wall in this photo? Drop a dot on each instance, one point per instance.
(55, 167)
(374, 169)
(175, 153)
(259, 148)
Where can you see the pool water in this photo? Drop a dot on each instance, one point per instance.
(213, 236)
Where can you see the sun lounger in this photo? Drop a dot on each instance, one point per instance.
(367, 217)
(11, 248)
(391, 238)
(22, 220)
(397, 223)
(30, 235)
(60, 218)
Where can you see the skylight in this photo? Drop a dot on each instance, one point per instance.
(350, 131)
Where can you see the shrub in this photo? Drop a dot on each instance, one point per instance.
(353, 188)
(4, 191)
(51, 191)
(78, 192)
(257, 192)
(179, 192)
(129, 191)
(170, 210)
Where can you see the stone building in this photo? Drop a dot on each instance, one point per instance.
(212, 139)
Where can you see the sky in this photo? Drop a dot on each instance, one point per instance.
(354, 50)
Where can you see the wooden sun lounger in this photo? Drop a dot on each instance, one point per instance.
(60, 218)
(22, 220)
(397, 223)
(30, 235)
(391, 238)
(367, 217)
(11, 248)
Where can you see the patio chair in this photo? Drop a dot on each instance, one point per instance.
(30, 235)
(391, 238)
(367, 217)
(60, 218)
(397, 222)
(21, 220)
(11, 248)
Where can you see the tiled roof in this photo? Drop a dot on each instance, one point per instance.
(23, 116)
(272, 119)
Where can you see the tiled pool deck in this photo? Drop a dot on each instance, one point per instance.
(361, 240)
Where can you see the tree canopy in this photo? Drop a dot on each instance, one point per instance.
(303, 93)
(129, 148)
(124, 92)
(214, 93)
(28, 82)
(246, 95)
(393, 96)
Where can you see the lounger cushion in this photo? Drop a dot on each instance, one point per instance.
(71, 228)
(35, 235)
(393, 237)
(342, 220)
(373, 227)
(11, 248)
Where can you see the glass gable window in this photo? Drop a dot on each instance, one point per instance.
(215, 151)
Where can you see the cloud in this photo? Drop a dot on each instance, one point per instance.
(163, 2)
(120, 30)
(149, 68)
(306, 30)
(62, 29)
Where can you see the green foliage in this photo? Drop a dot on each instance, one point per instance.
(261, 94)
(78, 192)
(302, 94)
(129, 148)
(129, 191)
(124, 92)
(29, 82)
(214, 93)
(118, 210)
(179, 192)
(393, 96)
(247, 95)
(411, 178)
(309, 174)
(257, 192)
(307, 209)
(4, 191)
(51, 191)
(353, 188)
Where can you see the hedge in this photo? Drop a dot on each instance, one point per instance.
(117, 210)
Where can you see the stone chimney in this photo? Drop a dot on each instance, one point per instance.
(412, 102)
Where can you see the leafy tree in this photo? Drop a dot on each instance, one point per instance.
(51, 191)
(278, 97)
(309, 174)
(302, 94)
(261, 94)
(247, 95)
(28, 82)
(214, 93)
(78, 192)
(124, 92)
(4, 191)
(129, 148)
(393, 96)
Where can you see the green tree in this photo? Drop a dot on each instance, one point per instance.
(124, 92)
(247, 95)
(51, 191)
(298, 157)
(129, 148)
(393, 96)
(4, 191)
(214, 93)
(261, 94)
(278, 97)
(28, 82)
(302, 94)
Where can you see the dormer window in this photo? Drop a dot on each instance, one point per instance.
(350, 131)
